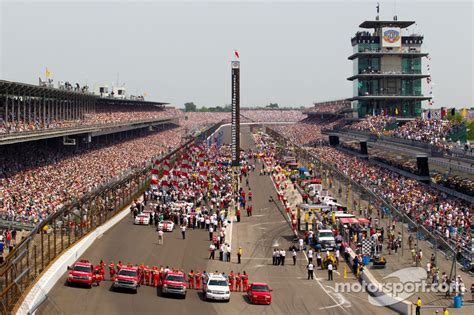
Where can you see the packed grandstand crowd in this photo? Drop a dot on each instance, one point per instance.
(103, 115)
(449, 216)
(328, 107)
(36, 180)
(307, 131)
(272, 115)
(434, 131)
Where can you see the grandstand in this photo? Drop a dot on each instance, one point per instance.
(70, 161)
(50, 137)
(29, 112)
(335, 107)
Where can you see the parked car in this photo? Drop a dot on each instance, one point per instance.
(259, 293)
(216, 287)
(325, 238)
(127, 278)
(142, 219)
(174, 283)
(81, 272)
(166, 226)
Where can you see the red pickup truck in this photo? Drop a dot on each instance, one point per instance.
(81, 272)
(127, 278)
(174, 283)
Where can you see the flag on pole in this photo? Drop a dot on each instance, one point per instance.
(236, 53)
(444, 112)
(48, 73)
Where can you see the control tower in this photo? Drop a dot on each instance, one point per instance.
(387, 70)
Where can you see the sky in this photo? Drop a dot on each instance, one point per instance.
(292, 53)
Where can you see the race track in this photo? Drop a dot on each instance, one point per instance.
(258, 235)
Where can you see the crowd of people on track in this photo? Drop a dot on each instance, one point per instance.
(154, 275)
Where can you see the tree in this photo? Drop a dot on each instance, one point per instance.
(272, 105)
(470, 130)
(456, 118)
(190, 107)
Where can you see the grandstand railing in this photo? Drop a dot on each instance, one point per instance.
(454, 193)
(58, 232)
(434, 238)
(433, 150)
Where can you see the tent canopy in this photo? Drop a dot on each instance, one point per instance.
(354, 221)
(349, 220)
(363, 221)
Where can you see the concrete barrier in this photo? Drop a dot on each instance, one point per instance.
(45, 283)
(400, 306)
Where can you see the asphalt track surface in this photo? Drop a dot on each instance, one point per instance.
(258, 235)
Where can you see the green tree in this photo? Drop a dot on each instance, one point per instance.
(456, 118)
(470, 130)
(272, 105)
(190, 107)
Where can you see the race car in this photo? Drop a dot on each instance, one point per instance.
(142, 219)
(166, 226)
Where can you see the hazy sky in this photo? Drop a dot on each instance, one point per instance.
(291, 52)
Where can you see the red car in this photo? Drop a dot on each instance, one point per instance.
(174, 283)
(260, 293)
(127, 278)
(81, 272)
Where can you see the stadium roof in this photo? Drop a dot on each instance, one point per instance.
(386, 53)
(390, 97)
(377, 24)
(413, 76)
(25, 89)
(21, 89)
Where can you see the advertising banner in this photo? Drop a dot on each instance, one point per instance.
(391, 37)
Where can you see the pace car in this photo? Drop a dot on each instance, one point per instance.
(166, 226)
(142, 219)
(216, 287)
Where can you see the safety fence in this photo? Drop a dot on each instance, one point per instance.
(373, 195)
(72, 222)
